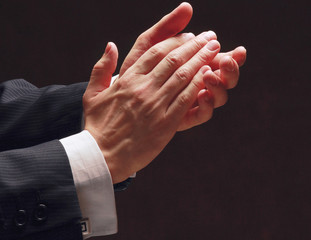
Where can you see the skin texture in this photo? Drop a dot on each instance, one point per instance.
(225, 65)
(167, 83)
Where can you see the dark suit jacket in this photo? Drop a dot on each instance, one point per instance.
(37, 194)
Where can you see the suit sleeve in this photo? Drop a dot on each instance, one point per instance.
(37, 192)
(31, 115)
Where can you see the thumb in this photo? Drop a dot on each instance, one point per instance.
(102, 71)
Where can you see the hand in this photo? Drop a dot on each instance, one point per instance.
(223, 74)
(225, 65)
(135, 118)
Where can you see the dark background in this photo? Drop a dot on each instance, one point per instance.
(243, 175)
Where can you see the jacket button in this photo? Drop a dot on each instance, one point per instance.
(41, 213)
(20, 218)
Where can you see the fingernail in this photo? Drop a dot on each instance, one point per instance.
(242, 48)
(204, 69)
(208, 35)
(108, 47)
(212, 45)
(212, 80)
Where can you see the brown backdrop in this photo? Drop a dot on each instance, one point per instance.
(243, 175)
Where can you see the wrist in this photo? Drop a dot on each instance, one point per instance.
(117, 171)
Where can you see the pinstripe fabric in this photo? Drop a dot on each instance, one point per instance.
(33, 164)
(30, 116)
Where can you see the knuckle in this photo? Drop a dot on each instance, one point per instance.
(199, 42)
(99, 64)
(156, 52)
(143, 41)
(125, 83)
(183, 37)
(173, 59)
(121, 84)
(139, 94)
(203, 56)
(142, 37)
(184, 99)
(154, 75)
(183, 74)
(197, 84)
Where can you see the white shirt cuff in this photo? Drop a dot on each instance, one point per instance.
(93, 183)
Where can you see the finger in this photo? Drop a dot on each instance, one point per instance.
(201, 113)
(102, 71)
(168, 26)
(213, 83)
(184, 74)
(238, 54)
(196, 103)
(229, 72)
(179, 107)
(184, 53)
(156, 53)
